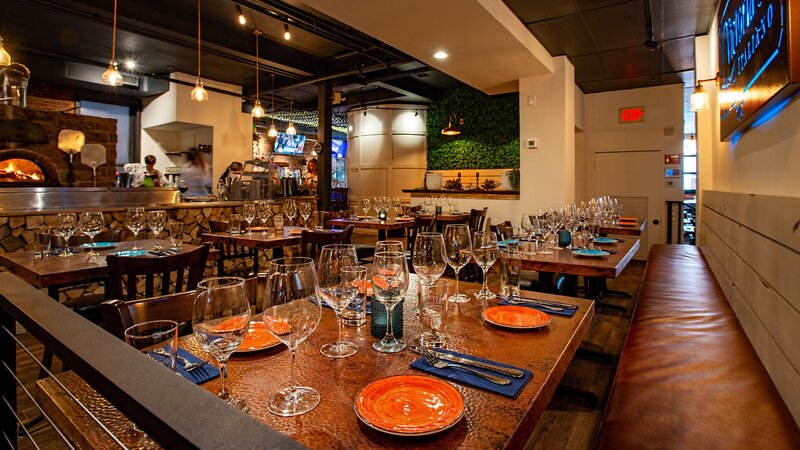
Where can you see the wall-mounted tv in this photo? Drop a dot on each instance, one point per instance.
(289, 144)
(338, 148)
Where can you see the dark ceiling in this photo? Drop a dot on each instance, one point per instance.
(605, 39)
(161, 37)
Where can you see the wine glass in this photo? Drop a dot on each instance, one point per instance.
(397, 205)
(389, 246)
(220, 319)
(66, 226)
(527, 226)
(249, 214)
(365, 205)
(264, 212)
(290, 210)
(554, 223)
(390, 283)
(305, 212)
(92, 224)
(427, 202)
(292, 313)
(484, 248)
(458, 248)
(428, 258)
(157, 220)
(335, 291)
(183, 186)
(135, 221)
(339, 252)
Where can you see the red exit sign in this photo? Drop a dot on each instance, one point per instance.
(631, 115)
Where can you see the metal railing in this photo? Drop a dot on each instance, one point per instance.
(158, 402)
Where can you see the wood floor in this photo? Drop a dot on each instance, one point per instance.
(570, 422)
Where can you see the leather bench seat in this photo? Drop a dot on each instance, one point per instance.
(688, 376)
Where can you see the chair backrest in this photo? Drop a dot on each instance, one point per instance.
(114, 235)
(119, 315)
(476, 218)
(330, 215)
(501, 230)
(128, 269)
(230, 249)
(218, 225)
(314, 239)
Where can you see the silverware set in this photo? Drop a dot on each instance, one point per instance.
(442, 360)
(188, 366)
(547, 304)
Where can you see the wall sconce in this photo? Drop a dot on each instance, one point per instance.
(453, 130)
(699, 98)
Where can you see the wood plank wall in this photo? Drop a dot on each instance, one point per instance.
(752, 243)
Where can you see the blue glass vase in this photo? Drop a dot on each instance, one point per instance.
(377, 325)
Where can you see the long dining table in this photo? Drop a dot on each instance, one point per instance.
(490, 420)
(634, 229)
(373, 223)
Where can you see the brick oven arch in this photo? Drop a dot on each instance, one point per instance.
(49, 169)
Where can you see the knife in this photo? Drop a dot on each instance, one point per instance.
(474, 363)
(519, 298)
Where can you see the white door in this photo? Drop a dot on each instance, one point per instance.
(636, 178)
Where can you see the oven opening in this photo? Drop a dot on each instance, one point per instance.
(17, 170)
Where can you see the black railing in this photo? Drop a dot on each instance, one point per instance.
(684, 216)
(145, 391)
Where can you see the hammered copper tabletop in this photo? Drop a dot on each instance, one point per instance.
(491, 420)
(564, 262)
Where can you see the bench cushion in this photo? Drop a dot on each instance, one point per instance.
(688, 376)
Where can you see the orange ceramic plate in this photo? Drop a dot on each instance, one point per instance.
(409, 405)
(257, 338)
(518, 317)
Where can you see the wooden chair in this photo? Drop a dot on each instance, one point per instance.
(501, 230)
(312, 240)
(476, 219)
(232, 250)
(119, 315)
(127, 269)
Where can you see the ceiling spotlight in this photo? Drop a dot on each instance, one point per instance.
(242, 19)
(440, 55)
(286, 34)
(130, 64)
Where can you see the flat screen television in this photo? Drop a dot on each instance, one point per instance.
(288, 144)
(338, 148)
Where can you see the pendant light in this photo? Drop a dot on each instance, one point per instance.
(111, 76)
(258, 110)
(453, 130)
(199, 93)
(291, 130)
(272, 131)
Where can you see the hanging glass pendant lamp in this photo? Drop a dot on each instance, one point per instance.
(258, 110)
(199, 93)
(111, 76)
(291, 130)
(272, 131)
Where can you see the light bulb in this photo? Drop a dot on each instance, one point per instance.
(272, 131)
(111, 76)
(258, 110)
(286, 34)
(291, 130)
(698, 101)
(199, 93)
(242, 20)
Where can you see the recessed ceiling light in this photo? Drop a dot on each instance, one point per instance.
(130, 64)
(440, 55)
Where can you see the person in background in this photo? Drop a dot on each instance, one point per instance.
(232, 173)
(151, 177)
(197, 175)
(309, 186)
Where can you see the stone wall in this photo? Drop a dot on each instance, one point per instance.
(37, 131)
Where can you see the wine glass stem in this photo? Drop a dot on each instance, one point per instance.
(135, 234)
(340, 321)
(457, 270)
(292, 371)
(389, 332)
(485, 279)
(223, 374)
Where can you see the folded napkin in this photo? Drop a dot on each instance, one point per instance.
(197, 376)
(565, 312)
(512, 390)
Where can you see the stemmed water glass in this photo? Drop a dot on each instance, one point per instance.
(346, 253)
(293, 311)
(527, 226)
(220, 319)
(305, 212)
(290, 210)
(397, 205)
(554, 223)
(389, 246)
(389, 283)
(135, 221)
(485, 250)
(365, 206)
(264, 212)
(339, 283)
(458, 248)
(249, 215)
(428, 258)
(91, 225)
(66, 226)
(157, 220)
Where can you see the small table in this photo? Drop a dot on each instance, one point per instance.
(626, 230)
(373, 223)
(444, 219)
(259, 240)
(491, 420)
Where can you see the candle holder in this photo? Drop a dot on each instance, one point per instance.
(382, 214)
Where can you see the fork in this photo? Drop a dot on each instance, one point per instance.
(187, 365)
(439, 364)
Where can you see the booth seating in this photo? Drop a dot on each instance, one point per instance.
(688, 376)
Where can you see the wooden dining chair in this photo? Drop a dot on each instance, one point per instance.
(312, 240)
(231, 250)
(124, 273)
(119, 315)
(476, 219)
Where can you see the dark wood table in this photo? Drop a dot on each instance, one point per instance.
(491, 420)
(444, 219)
(624, 230)
(373, 223)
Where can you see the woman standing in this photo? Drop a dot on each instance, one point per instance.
(151, 176)
(197, 175)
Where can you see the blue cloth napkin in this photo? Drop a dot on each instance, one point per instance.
(197, 376)
(564, 312)
(453, 374)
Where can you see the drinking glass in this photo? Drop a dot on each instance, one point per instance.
(427, 202)
(135, 221)
(429, 255)
(236, 224)
(305, 212)
(365, 206)
(66, 226)
(157, 220)
(42, 239)
(540, 226)
(397, 205)
(458, 248)
(249, 214)
(158, 339)
(451, 206)
(389, 283)
(354, 286)
(484, 248)
(290, 210)
(220, 319)
(510, 267)
(91, 225)
(527, 226)
(292, 313)
(346, 253)
(335, 292)
(389, 246)
(264, 212)
(433, 314)
(554, 223)
(175, 228)
(319, 220)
